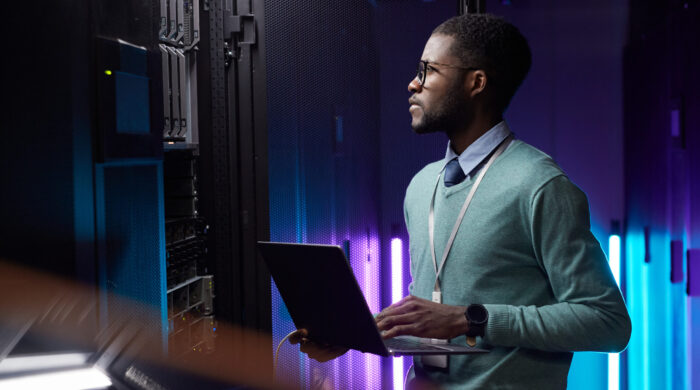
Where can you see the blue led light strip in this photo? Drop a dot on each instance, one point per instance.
(614, 358)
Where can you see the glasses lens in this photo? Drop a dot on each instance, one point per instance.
(421, 72)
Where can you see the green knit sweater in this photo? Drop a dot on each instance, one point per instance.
(526, 252)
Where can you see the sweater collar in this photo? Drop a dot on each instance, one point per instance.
(474, 155)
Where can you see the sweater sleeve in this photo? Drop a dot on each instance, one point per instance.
(589, 313)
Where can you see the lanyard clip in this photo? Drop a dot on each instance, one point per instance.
(437, 297)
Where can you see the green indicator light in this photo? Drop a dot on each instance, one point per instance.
(108, 72)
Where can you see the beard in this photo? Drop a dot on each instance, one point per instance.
(449, 115)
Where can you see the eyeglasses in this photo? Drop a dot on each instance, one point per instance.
(424, 66)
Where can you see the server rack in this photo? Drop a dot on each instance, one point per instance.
(140, 168)
(215, 172)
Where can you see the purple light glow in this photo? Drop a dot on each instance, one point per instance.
(675, 122)
(370, 284)
(396, 295)
(396, 270)
(693, 259)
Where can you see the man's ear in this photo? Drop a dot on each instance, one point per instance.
(476, 82)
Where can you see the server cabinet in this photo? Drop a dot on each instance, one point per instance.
(215, 147)
(137, 156)
(233, 156)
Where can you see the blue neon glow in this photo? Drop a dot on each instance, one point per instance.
(635, 269)
(614, 249)
(614, 358)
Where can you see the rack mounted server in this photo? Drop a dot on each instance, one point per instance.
(179, 35)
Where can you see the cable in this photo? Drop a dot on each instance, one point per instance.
(277, 352)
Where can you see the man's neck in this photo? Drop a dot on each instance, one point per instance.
(460, 140)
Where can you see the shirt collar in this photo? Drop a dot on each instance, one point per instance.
(479, 149)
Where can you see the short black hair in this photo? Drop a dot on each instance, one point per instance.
(490, 43)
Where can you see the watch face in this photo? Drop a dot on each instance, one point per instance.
(477, 314)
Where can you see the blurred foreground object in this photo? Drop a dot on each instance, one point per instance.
(55, 330)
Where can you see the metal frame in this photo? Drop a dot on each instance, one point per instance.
(233, 144)
(167, 90)
(471, 7)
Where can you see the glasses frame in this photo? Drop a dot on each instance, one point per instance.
(426, 66)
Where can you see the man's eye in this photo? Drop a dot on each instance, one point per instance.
(430, 68)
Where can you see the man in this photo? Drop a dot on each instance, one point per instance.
(502, 256)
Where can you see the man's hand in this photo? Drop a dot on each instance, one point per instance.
(422, 318)
(319, 352)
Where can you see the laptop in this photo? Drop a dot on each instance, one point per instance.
(322, 295)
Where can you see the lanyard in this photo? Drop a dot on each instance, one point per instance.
(450, 241)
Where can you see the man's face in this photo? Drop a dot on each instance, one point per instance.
(441, 103)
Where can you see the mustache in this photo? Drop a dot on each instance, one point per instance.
(413, 100)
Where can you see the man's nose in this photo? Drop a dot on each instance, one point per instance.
(414, 86)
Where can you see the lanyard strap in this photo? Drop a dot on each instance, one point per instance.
(431, 215)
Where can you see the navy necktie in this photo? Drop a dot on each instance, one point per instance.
(453, 173)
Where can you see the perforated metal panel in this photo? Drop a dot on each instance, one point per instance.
(131, 244)
(323, 157)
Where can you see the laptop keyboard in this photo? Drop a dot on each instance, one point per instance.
(407, 344)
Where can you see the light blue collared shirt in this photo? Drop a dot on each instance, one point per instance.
(473, 157)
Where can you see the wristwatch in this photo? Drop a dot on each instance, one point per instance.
(477, 316)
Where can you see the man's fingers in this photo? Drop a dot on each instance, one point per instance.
(311, 348)
(400, 330)
(391, 309)
(329, 353)
(298, 336)
(308, 347)
(403, 306)
(321, 353)
(395, 320)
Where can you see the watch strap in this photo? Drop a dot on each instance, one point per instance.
(477, 326)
